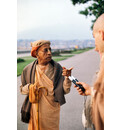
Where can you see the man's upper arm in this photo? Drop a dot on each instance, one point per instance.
(24, 88)
(23, 80)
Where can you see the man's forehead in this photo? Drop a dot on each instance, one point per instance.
(45, 45)
(93, 31)
(94, 26)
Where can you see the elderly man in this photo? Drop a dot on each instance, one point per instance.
(97, 92)
(43, 80)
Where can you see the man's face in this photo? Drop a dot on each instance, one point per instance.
(44, 54)
(99, 40)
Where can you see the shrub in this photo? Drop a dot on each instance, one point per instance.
(56, 53)
(20, 60)
(66, 51)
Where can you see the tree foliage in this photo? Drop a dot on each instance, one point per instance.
(96, 8)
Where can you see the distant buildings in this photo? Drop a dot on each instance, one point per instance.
(24, 45)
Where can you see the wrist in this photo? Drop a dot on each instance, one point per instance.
(89, 91)
(92, 91)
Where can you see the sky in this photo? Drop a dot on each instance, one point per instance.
(52, 20)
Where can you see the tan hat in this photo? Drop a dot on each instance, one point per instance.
(36, 44)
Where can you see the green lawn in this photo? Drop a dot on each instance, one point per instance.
(81, 51)
(21, 65)
(29, 59)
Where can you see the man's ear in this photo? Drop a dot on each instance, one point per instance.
(36, 53)
(101, 33)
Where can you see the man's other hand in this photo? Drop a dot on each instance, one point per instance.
(67, 72)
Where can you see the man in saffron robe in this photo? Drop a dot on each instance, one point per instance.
(46, 83)
(97, 91)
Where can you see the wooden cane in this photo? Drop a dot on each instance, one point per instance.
(38, 111)
(37, 105)
(38, 92)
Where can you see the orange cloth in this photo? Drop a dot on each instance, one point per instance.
(33, 51)
(35, 92)
(98, 99)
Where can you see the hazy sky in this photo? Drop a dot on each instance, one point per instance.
(51, 19)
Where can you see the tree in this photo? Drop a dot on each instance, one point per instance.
(96, 8)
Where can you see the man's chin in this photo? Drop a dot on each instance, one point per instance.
(48, 59)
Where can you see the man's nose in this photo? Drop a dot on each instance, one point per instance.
(96, 49)
(49, 52)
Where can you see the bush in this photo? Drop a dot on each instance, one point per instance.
(20, 60)
(66, 51)
(56, 53)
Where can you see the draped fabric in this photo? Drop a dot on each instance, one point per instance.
(98, 99)
(44, 114)
(52, 86)
(61, 85)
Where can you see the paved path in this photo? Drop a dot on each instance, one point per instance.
(85, 66)
(23, 55)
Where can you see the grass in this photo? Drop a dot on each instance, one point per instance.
(29, 59)
(61, 57)
(21, 65)
(81, 51)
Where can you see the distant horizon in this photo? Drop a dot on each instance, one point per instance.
(57, 39)
(26, 43)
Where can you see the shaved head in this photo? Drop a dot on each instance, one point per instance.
(98, 34)
(99, 24)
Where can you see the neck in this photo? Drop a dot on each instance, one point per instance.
(101, 55)
(42, 63)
